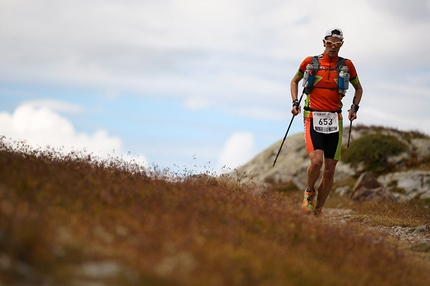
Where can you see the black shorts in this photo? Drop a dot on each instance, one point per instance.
(331, 143)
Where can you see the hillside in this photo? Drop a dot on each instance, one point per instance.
(76, 220)
(371, 148)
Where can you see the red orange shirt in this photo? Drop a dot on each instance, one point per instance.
(324, 95)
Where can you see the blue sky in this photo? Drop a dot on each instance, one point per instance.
(196, 84)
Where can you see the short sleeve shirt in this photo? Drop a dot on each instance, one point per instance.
(324, 95)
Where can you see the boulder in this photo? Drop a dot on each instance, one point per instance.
(408, 185)
(422, 147)
(367, 188)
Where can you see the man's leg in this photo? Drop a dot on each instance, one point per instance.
(314, 169)
(313, 173)
(326, 183)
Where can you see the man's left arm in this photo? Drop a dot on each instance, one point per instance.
(352, 113)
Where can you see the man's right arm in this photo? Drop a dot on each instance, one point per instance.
(294, 88)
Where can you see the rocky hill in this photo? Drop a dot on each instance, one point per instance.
(406, 173)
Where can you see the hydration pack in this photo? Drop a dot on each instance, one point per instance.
(342, 72)
(316, 63)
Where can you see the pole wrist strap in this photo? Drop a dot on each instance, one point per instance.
(355, 107)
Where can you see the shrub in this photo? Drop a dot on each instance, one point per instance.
(373, 151)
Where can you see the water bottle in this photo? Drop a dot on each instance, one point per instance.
(308, 78)
(343, 80)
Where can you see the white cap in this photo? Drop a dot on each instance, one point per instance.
(334, 32)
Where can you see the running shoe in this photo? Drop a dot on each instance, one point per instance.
(308, 201)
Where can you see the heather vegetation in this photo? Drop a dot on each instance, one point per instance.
(372, 150)
(77, 220)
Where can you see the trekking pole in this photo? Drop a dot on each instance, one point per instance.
(288, 129)
(349, 134)
(308, 82)
(354, 107)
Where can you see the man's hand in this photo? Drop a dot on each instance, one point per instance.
(296, 110)
(352, 115)
(296, 107)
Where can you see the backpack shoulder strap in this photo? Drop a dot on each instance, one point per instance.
(316, 62)
(340, 63)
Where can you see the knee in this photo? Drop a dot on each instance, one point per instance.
(329, 171)
(316, 163)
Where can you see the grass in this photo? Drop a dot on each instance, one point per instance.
(73, 219)
(373, 150)
(409, 214)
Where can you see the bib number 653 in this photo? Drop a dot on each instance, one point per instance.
(325, 121)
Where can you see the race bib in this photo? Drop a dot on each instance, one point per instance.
(325, 122)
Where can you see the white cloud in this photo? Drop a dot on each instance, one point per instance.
(55, 105)
(238, 150)
(196, 50)
(39, 126)
(197, 103)
(237, 56)
(404, 106)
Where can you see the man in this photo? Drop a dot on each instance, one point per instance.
(323, 117)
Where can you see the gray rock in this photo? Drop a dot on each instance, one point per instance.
(342, 190)
(291, 165)
(367, 188)
(100, 270)
(412, 184)
(420, 229)
(421, 146)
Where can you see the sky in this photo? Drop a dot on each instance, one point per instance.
(197, 85)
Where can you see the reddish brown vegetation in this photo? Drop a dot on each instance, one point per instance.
(63, 218)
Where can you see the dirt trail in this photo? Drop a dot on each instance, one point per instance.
(413, 240)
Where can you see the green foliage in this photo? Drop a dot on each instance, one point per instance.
(373, 150)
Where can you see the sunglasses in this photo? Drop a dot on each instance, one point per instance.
(331, 44)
